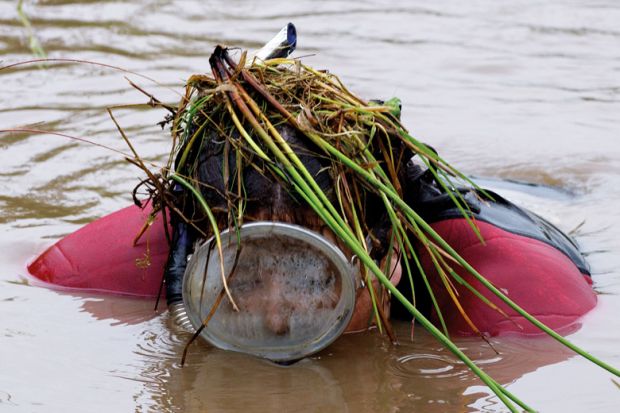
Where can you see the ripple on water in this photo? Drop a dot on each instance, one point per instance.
(163, 340)
(426, 365)
(158, 348)
(510, 358)
(439, 366)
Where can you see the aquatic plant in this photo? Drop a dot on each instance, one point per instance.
(361, 144)
(33, 41)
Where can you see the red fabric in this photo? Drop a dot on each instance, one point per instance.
(536, 276)
(101, 257)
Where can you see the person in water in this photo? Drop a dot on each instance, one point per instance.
(520, 234)
(522, 254)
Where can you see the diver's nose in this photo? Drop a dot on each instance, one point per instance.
(278, 310)
(278, 318)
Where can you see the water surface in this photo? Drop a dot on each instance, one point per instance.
(518, 90)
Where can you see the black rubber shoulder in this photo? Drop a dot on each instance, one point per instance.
(434, 205)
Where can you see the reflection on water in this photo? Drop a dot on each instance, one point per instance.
(521, 90)
(358, 373)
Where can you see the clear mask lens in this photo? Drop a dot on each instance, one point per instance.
(295, 291)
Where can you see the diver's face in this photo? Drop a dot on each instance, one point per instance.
(285, 287)
(280, 300)
(284, 284)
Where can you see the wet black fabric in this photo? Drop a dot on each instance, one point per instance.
(182, 246)
(433, 205)
(183, 238)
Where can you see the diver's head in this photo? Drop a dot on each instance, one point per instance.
(289, 285)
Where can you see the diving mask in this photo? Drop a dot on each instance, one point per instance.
(295, 291)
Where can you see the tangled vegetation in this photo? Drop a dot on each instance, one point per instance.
(244, 108)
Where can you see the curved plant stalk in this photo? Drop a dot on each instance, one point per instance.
(378, 310)
(216, 232)
(33, 41)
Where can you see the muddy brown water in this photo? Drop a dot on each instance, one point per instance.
(518, 90)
